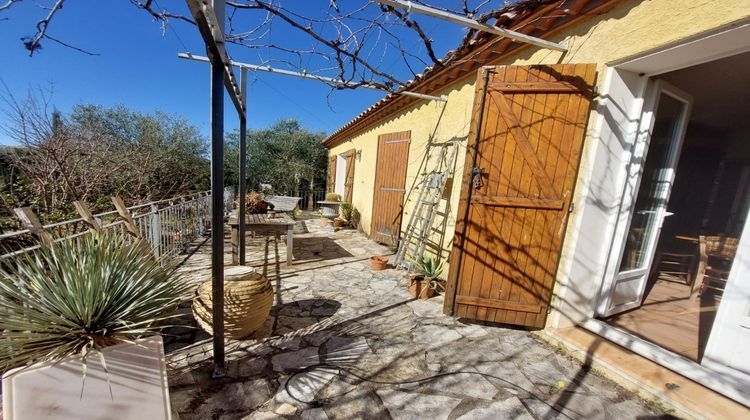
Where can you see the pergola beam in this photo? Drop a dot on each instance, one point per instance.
(471, 23)
(212, 32)
(269, 69)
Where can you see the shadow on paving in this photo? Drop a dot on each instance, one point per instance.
(318, 249)
(346, 342)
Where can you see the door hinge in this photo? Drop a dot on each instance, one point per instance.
(571, 207)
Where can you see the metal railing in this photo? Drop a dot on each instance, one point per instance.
(169, 226)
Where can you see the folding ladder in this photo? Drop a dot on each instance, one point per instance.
(431, 189)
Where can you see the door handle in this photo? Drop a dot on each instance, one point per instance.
(666, 214)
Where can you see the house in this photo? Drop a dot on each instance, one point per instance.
(599, 194)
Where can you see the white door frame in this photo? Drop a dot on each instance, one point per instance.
(729, 342)
(708, 376)
(626, 81)
(634, 173)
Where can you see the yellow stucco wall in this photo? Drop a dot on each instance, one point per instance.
(631, 28)
(430, 122)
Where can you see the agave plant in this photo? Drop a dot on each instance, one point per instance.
(80, 295)
(428, 267)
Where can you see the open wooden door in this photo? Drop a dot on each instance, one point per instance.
(349, 178)
(390, 187)
(331, 182)
(520, 184)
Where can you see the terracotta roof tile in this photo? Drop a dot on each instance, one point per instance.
(507, 16)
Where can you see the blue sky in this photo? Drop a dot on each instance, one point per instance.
(137, 65)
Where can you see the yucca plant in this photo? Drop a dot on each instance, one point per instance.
(80, 295)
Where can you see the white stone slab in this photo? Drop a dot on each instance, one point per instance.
(416, 406)
(138, 381)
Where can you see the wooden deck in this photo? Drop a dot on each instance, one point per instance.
(671, 319)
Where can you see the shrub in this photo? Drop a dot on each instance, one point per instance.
(346, 211)
(80, 295)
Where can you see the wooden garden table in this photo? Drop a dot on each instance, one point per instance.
(264, 224)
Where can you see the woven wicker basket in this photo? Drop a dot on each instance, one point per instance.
(248, 298)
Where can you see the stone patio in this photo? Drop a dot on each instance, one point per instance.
(346, 342)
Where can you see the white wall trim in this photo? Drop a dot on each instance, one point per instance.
(680, 364)
(722, 43)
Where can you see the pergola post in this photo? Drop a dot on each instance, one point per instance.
(217, 202)
(209, 18)
(243, 167)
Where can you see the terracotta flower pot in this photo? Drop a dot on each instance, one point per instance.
(419, 287)
(379, 262)
(339, 223)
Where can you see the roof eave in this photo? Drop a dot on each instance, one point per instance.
(566, 13)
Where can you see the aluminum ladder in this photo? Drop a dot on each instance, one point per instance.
(431, 189)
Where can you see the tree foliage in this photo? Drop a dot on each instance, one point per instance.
(285, 155)
(95, 152)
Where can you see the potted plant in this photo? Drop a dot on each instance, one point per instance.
(255, 203)
(74, 317)
(329, 208)
(345, 215)
(423, 282)
(379, 262)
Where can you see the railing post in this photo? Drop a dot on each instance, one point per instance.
(185, 237)
(155, 231)
(31, 222)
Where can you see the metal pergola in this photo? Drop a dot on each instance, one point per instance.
(209, 16)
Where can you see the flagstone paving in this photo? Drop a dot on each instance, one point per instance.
(347, 342)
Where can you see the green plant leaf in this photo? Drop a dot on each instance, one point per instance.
(83, 294)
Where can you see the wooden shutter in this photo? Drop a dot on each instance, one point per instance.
(507, 250)
(390, 187)
(331, 184)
